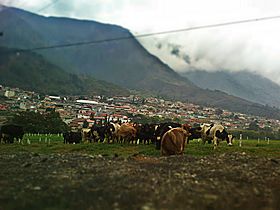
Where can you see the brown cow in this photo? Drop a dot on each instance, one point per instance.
(126, 133)
(173, 141)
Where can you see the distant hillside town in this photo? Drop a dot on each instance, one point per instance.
(75, 110)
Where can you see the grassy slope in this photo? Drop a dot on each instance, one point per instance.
(31, 72)
(195, 148)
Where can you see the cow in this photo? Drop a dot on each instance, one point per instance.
(111, 131)
(195, 133)
(173, 141)
(86, 135)
(98, 132)
(216, 133)
(72, 137)
(9, 132)
(145, 133)
(126, 132)
(101, 132)
(161, 129)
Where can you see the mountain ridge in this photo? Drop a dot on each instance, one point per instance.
(242, 84)
(124, 63)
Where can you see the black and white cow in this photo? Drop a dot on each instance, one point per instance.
(112, 130)
(216, 133)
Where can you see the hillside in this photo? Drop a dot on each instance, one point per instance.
(32, 72)
(242, 84)
(124, 62)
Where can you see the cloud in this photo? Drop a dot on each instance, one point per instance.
(159, 46)
(187, 59)
(174, 50)
(251, 46)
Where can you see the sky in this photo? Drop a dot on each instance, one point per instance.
(251, 46)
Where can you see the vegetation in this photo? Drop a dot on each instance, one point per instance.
(48, 144)
(30, 71)
(35, 122)
(260, 134)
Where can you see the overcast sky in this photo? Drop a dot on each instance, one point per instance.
(251, 46)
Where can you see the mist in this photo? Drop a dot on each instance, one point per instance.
(236, 48)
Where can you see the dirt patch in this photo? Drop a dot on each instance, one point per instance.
(78, 181)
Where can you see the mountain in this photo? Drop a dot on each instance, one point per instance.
(243, 84)
(123, 62)
(30, 71)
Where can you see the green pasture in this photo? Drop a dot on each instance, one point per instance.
(53, 143)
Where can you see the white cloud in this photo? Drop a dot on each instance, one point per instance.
(251, 46)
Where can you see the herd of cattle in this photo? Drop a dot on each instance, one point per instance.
(169, 137)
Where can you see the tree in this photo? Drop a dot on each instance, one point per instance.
(219, 111)
(254, 126)
(33, 122)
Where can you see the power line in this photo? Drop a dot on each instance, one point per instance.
(41, 9)
(48, 5)
(151, 34)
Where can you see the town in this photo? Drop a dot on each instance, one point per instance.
(75, 110)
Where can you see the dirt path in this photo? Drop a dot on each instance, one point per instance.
(77, 181)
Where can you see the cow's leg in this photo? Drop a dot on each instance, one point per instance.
(11, 139)
(158, 142)
(110, 138)
(120, 140)
(215, 141)
(203, 138)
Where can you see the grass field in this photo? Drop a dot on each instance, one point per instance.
(48, 144)
(45, 173)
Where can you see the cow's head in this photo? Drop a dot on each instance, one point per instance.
(186, 126)
(195, 133)
(111, 128)
(229, 139)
